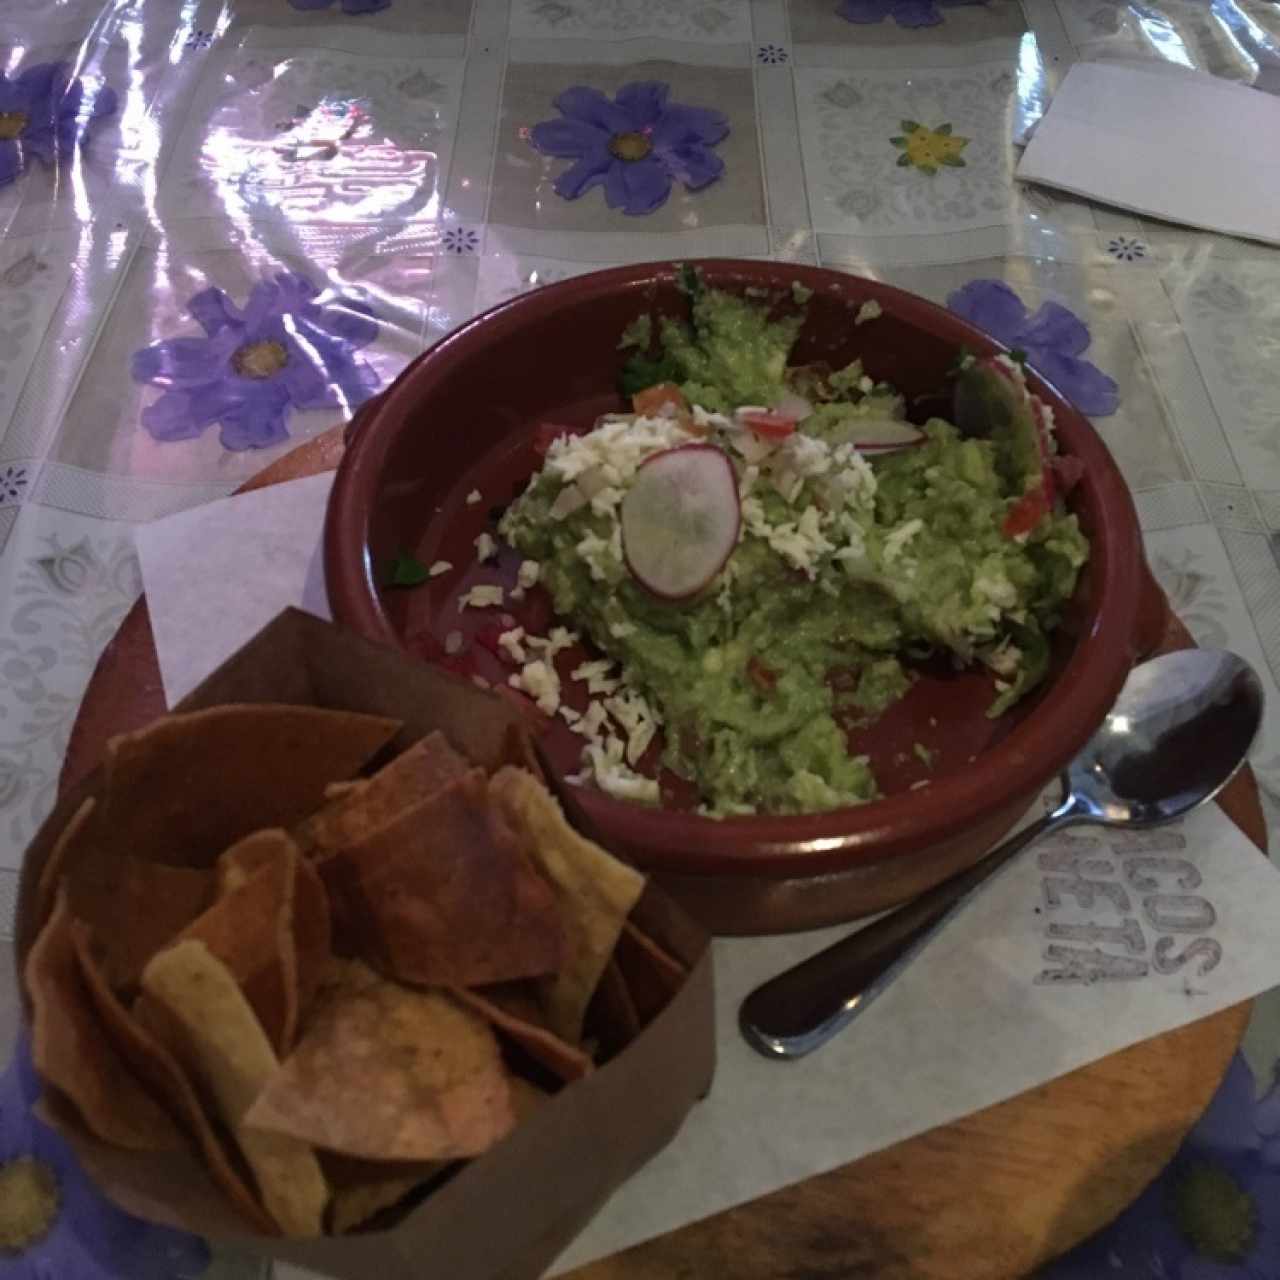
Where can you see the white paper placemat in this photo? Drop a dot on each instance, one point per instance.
(217, 574)
(1187, 148)
(1091, 943)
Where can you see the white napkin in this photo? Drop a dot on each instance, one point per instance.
(1188, 148)
(216, 575)
(1087, 945)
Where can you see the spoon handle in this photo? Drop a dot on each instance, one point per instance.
(803, 1007)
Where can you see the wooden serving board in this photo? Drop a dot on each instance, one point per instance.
(996, 1194)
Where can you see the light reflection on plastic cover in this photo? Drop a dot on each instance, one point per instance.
(1255, 46)
(329, 162)
(1163, 36)
(1030, 91)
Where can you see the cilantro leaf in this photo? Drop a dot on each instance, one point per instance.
(407, 571)
(690, 282)
(643, 371)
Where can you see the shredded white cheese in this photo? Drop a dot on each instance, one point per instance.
(440, 566)
(486, 548)
(481, 597)
(636, 717)
(896, 542)
(614, 777)
(561, 638)
(705, 418)
(592, 720)
(541, 682)
(620, 446)
(509, 643)
(596, 675)
(473, 497)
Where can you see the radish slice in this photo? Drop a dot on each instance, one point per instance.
(766, 423)
(680, 520)
(877, 435)
(792, 406)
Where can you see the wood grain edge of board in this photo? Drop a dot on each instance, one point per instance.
(991, 1197)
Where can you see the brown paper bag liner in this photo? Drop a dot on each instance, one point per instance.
(545, 1180)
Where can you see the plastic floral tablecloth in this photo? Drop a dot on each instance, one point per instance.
(225, 223)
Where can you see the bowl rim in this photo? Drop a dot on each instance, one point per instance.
(799, 844)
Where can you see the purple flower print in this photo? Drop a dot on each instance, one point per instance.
(1053, 339)
(43, 114)
(54, 1223)
(906, 13)
(281, 351)
(636, 144)
(348, 6)
(1213, 1214)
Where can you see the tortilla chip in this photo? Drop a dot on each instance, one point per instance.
(157, 1069)
(595, 892)
(353, 1206)
(186, 787)
(527, 1098)
(72, 844)
(612, 1015)
(368, 806)
(362, 1189)
(522, 1022)
(71, 1052)
(224, 1046)
(385, 1072)
(312, 927)
(312, 934)
(236, 865)
(445, 896)
(250, 930)
(135, 907)
(336, 790)
(519, 749)
(652, 975)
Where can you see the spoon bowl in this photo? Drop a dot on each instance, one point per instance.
(1177, 734)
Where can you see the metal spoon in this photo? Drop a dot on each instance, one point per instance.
(1180, 729)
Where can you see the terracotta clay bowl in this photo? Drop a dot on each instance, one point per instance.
(463, 418)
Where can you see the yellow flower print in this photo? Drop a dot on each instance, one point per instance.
(926, 149)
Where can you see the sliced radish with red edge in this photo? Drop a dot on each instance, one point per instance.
(680, 520)
(793, 406)
(878, 435)
(769, 423)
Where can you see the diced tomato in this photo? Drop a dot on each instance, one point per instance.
(764, 678)
(652, 399)
(547, 432)
(769, 423)
(1026, 513)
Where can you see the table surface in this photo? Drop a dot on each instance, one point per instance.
(366, 173)
(1039, 1173)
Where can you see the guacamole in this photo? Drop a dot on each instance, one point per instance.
(848, 564)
